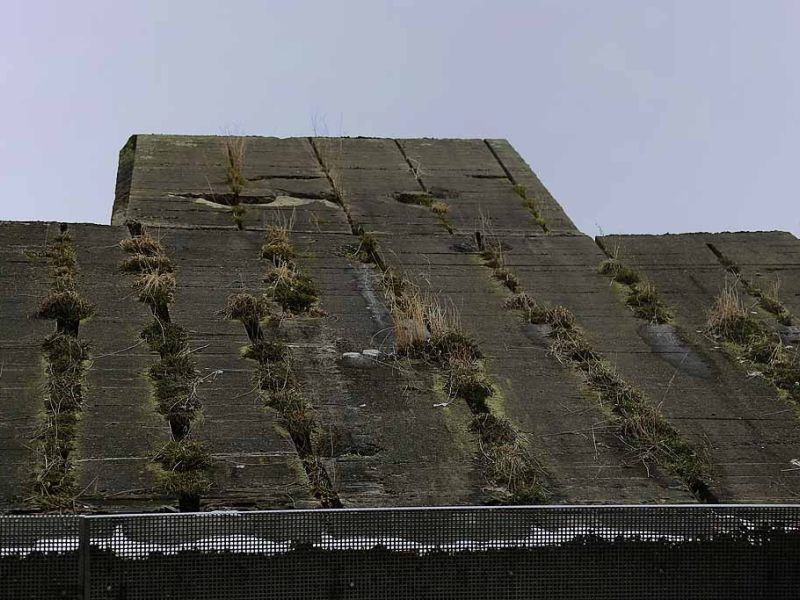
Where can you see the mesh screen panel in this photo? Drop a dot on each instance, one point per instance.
(39, 557)
(467, 553)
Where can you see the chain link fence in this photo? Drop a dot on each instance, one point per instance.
(597, 552)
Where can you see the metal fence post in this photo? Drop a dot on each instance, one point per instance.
(83, 558)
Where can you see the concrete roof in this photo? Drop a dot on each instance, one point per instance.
(388, 430)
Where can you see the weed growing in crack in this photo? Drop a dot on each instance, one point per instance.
(367, 250)
(642, 296)
(619, 272)
(467, 379)
(280, 391)
(768, 299)
(493, 251)
(142, 244)
(532, 206)
(643, 299)
(426, 329)
(277, 245)
(639, 423)
(751, 341)
(294, 291)
(182, 466)
(509, 463)
(66, 359)
(274, 377)
(730, 319)
(534, 312)
(146, 263)
(234, 163)
(422, 198)
(250, 310)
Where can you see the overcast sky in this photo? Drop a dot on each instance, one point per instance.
(639, 116)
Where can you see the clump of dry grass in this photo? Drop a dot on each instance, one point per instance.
(234, 163)
(234, 177)
(166, 338)
(754, 344)
(184, 471)
(417, 198)
(294, 291)
(157, 290)
(510, 464)
(440, 208)
(248, 309)
(277, 246)
(63, 303)
(142, 244)
(410, 330)
(146, 263)
(643, 299)
(467, 379)
(61, 252)
(155, 282)
(367, 250)
(730, 319)
(423, 326)
(618, 271)
(67, 308)
(770, 301)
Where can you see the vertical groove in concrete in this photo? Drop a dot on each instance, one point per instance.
(66, 361)
(255, 464)
(519, 172)
(121, 428)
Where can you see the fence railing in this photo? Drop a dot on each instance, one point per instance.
(598, 552)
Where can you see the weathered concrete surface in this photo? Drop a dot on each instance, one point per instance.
(389, 444)
(256, 465)
(23, 285)
(542, 397)
(753, 435)
(176, 178)
(383, 440)
(520, 173)
(120, 429)
(688, 274)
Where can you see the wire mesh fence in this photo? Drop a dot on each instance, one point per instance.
(597, 552)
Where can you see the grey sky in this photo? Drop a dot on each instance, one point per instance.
(640, 116)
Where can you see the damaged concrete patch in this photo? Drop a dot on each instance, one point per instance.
(667, 344)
